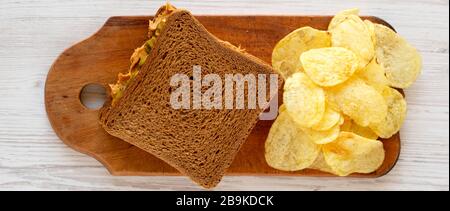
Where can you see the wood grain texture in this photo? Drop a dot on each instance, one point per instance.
(34, 33)
(102, 56)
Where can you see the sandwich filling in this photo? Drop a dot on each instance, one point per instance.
(140, 54)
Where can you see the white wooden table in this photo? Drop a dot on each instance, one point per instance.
(34, 33)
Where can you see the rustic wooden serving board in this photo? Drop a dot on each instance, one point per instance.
(101, 57)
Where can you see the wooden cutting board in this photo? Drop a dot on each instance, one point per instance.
(101, 57)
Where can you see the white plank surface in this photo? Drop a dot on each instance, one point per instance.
(33, 33)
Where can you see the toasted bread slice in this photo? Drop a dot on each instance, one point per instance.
(200, 143)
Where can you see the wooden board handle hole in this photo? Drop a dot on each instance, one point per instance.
(93, 96)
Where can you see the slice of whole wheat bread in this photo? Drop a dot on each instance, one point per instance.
(199, 143)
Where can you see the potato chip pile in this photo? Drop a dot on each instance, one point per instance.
(339, 95)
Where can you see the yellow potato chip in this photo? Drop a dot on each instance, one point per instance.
(396, 114)
(287, 147)
(350, 126)
(329, 66)
(365, 132)
(340, 16)
(347, 124)
(282, 108)
(351, 153)
(360, 102)
(400, 60)
(353, 34)
(321, 165)
(371, 28)
(331, 101)
(286, 54)
(374, 75)
(304, 100)
(330, 118)
(341, 120)
(323, 137)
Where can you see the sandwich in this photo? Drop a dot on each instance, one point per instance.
(200, 143)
